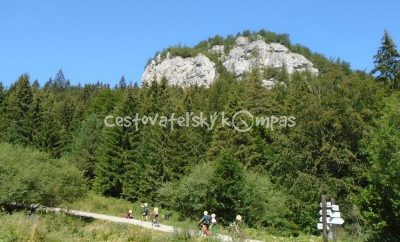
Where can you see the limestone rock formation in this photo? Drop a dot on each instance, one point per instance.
(246, 56)
(181, 71)
(241, 58)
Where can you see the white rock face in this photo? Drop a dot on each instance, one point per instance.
(259, 54)
(181, 71)
(243, 57)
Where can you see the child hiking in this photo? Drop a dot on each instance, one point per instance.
(145, 211)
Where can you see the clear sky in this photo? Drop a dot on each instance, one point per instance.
(102, 40)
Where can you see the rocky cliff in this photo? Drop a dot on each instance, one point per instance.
(244, 56)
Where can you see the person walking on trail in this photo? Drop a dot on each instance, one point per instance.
(145, 211)
(205, 223)
(155, 217)
(213, 225)
(129, 215)
(237, 225)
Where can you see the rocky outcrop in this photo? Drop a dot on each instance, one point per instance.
(243, 57)
(180, 71)
(246, 56)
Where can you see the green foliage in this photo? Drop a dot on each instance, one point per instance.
(116, 153)
(189, 196)
(19, 100)
(380, 200)
(343, 143)
(31, 177)
(85, 142)
(226, 196)
(265, 205)
(61, 227)
(387, 63)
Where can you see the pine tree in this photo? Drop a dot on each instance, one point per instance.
(2, 94)
(226, 187)
(122, 83)
(2, 111)
(154, 141)
(387, 63)
(19, 112)
(85, 143)
(116, 171)
(226, 137)
(50, 134)
(60, 83)
(37, 113)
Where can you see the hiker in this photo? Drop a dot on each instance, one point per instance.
(145, 211)
(205, 224)
(129, 215)
(213, 225)
(237, 224)
(155, 217)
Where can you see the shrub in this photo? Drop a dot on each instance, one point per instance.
(31, 177)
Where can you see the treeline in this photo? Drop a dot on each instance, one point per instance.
(345, 143)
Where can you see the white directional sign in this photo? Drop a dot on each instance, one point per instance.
(328, 205)
(328, 212)
(338, 221)
(320, 226)
(335, 215)
(335, 208)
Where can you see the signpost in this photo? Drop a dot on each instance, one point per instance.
(324, 224)
(330, 219)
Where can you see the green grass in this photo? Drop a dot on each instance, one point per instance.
(104, 205)
(117, 207)
(60, 227)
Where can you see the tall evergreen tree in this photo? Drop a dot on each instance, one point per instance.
(2, 92)
(387, 63)
(19, 111)
(122, 82)
(226, 187)
(3, 119)
(49, 136)
(116, 171)
(85, 144)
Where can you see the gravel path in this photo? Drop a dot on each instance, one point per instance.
(144, 224)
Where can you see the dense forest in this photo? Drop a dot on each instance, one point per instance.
(346, 144)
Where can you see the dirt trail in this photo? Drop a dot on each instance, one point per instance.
(144, 224)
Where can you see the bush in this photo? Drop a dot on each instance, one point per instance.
(189, 195)
(32, 177)
(264, 206)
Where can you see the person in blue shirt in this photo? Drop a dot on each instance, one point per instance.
(205, 223)
(145, 211)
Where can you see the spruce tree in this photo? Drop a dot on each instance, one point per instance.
(226, 187)
(19, 112)
(85, 143)
(49, 136)
(2, 111)
(122, 83)
(116, 172)
(387, 63)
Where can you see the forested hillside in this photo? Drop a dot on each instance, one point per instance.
(345, 143)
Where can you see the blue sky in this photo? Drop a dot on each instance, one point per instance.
(102, 40)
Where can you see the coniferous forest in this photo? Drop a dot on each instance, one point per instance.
(55, 146)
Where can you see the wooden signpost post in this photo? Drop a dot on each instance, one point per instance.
(330, 217)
